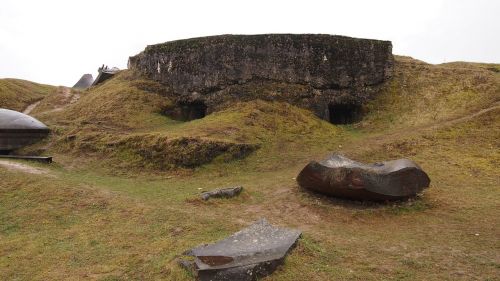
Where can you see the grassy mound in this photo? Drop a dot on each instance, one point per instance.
(277, 129)
(421, 94)
(121, 123)
(126, 102)
(17, 94)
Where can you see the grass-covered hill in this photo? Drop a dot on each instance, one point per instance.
(121, 122)
(121, 200)
(421, 94)
(18, 94)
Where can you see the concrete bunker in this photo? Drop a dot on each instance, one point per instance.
(302, 69)
(344, 113)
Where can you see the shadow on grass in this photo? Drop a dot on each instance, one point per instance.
(397, 207)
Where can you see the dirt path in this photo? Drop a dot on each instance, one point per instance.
(30, 107)
(496, 105)
(70, 96)
(67, 97)
(14, 166)
(64, 97)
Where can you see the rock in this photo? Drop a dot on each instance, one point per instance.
(84, 82)
(251, 253)
(342, 177)
(222, 193)
(329, 75)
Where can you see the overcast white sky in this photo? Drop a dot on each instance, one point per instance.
(55, 42)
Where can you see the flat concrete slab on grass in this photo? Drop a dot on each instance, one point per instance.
(251, 253)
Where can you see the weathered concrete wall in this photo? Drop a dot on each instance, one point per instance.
(328, 69)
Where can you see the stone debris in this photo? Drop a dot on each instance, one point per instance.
(340, 176)
(222, 193)
(248, 254)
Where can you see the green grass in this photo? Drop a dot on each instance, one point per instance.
(94, 217)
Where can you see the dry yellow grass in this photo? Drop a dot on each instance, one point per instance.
(422, 94)
(16, 94)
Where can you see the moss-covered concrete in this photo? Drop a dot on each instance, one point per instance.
(214, 70)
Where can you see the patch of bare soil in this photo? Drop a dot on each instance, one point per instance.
(58, 101)
(14, 166)
(30, 107)
(66, 98)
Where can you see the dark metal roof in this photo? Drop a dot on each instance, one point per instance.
(13, 120)
(104, 74)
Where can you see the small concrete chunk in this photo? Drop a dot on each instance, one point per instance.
(222, 193)
(251, 253)
(340, 176)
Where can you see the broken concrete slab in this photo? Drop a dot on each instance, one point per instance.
(340, 176)
(222, 193)
(251, 253)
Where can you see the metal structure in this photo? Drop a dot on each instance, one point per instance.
(18, 130)
(105, 73)
(340, 176)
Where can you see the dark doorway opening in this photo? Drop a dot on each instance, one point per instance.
(344, 113)
(188, 111)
